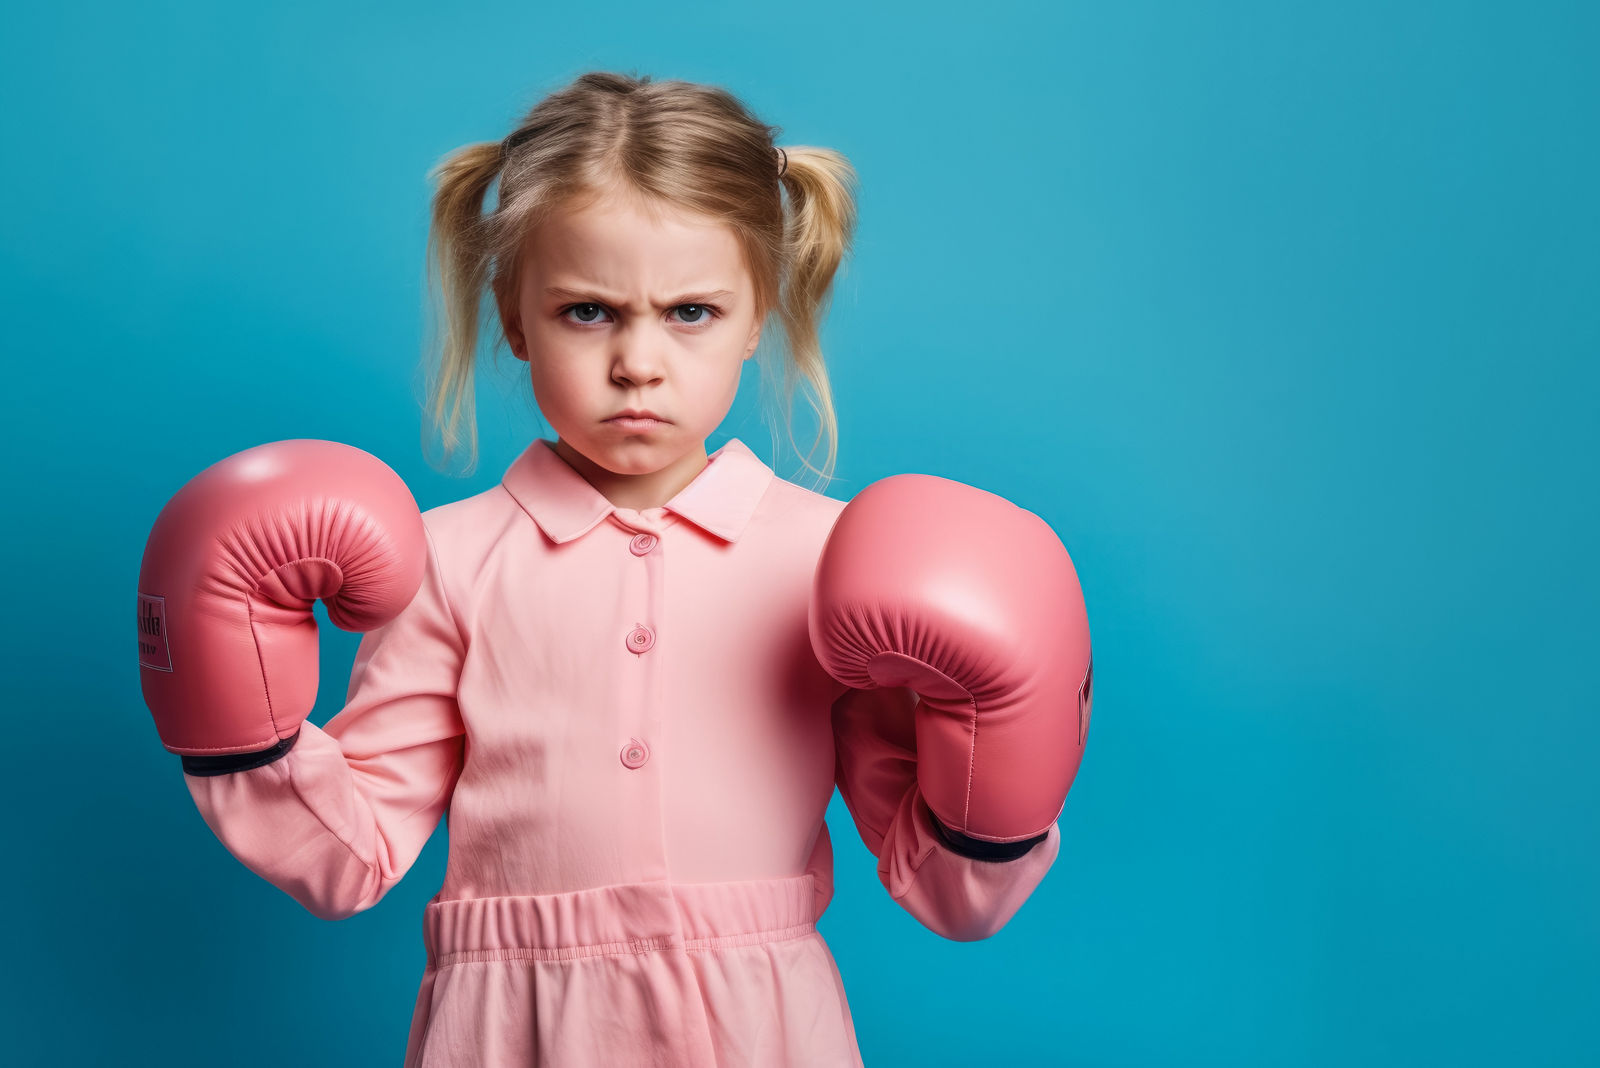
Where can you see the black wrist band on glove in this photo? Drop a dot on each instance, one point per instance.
(229, 762)
(977, 848)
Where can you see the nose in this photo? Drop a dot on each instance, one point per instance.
(637, 360)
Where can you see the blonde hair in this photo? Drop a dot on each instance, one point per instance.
(674, 143)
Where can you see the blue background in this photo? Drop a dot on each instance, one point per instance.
(1282, 314)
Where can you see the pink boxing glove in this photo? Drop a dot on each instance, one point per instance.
(974, 604)
(232, 567)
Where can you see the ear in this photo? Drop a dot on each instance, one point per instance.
(511, 322)
(755, 339)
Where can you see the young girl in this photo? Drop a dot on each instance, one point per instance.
(604, 668)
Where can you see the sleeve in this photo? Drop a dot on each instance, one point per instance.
(960, 896)
(339, 815)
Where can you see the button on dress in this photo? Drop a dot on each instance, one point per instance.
(619, 713)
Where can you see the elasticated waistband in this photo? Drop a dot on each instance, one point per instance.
(626, 918)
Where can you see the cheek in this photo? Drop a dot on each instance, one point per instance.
(552, 374)
(554, 379)
(714, 385)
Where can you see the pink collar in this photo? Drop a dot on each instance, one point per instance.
(720, 500)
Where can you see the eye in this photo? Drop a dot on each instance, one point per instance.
(588, 311)
(705, 312)
(572, 307)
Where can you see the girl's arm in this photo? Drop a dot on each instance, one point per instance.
(958, 621)
(338, 818)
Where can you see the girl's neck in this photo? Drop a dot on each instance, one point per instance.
(642, 491)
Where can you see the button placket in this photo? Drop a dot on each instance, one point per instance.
(641, 637)
(635, 753)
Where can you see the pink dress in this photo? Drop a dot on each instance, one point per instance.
(621, 714)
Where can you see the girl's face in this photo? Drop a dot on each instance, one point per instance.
(617, 310)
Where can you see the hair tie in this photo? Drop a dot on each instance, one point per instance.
(785, 166)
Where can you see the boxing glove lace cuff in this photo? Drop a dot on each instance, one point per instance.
(977, 848)
(231, 762)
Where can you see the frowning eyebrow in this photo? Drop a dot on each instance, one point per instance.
(699, 296)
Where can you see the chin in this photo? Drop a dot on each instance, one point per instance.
(632, 455)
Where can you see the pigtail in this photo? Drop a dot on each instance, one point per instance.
(818, 232)
(457, 260)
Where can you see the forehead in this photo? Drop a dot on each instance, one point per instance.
(623, 241)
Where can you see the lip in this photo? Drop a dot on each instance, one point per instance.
(636, 415)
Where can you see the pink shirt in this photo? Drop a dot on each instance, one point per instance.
(620, 711)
